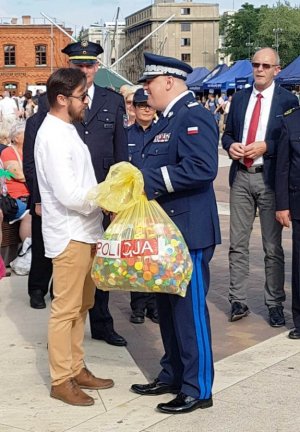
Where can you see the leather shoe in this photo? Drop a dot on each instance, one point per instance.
(294, 334)
(70, 393)
(184, 404)
(112, 338)
(86, 380)
(153, 315)
(37, 301)
(238, 311)
(153, 389)
(137, 318)
(276, 316)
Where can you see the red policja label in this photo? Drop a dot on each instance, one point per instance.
(140, 247)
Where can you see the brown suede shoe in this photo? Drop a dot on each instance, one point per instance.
(85, 379)
(70, 393)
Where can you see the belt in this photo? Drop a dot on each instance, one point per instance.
(251, 170)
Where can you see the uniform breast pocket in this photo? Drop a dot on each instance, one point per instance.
(106, 120)
(159, 149)
(132, 152)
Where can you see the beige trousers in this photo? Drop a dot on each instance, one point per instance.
(74, 293)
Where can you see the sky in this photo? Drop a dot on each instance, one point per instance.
(78, 13)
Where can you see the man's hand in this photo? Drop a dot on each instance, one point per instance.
(255, 150)
(38, 209)
(236, 150)
(283, 217)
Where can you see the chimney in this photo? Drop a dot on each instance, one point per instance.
(26, 19)
(14, 21)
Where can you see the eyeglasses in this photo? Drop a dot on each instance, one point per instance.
(143, 107)
(263, 65)
(81, 97)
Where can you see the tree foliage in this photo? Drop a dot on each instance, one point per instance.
(251, 28)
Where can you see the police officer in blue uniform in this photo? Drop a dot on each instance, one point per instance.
(179, 162)
(141, 303)
(104, 132)
(287, 193)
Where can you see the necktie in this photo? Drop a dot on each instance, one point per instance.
(253, 127)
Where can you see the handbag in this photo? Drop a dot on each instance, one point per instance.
(8, 204)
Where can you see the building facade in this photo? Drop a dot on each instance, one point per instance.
(30, 52)
(192, 35)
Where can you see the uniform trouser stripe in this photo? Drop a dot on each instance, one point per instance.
(202, 332)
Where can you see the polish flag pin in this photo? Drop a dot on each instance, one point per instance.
(192, 130)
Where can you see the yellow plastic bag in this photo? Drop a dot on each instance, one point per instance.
(142, 249)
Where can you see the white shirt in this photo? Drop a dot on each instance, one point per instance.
(173, 102)
(65, 175)
(8, 107)
(91, 91)
(266, 102)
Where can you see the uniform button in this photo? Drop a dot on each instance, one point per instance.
(107, 119)
(172, 211)
(143, 155)
(86, 132)
(155, 193)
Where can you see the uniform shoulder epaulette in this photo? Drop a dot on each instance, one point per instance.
(192, 104)
(290, 111)
(113, 91)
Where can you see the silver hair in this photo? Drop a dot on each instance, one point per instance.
(277, 58)
(16, 129)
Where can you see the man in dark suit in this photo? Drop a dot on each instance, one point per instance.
(104, 133)
(179, 161)
(287, 191)
(251, 138)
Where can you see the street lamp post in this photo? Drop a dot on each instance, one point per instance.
(277, 32)
(249, 44)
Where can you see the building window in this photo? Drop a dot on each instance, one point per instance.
(185, 42)
(9, 55)
(186, 57)
(185, 11)
(185, 27)
(40, 55)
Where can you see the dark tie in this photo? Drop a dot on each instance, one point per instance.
(253, 125)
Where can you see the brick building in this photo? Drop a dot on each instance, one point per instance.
(29, 52)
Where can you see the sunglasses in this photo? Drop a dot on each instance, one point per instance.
(81, 97)
(263, 65)
(143, 106)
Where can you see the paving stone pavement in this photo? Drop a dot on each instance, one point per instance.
(257, 383)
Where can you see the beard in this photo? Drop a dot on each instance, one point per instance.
(76, 114)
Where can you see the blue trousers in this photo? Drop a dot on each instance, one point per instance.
(185, 328)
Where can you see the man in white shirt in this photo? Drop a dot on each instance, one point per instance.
(251, 138)
(8, 110)
(70, 229)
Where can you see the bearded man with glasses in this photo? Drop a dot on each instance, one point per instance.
(251, 138)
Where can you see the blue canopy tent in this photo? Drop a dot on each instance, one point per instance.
(226, 81)
(217, 71)
(290, 75)
(197, 74)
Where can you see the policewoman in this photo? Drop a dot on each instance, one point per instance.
(104, 131)
(179, 165)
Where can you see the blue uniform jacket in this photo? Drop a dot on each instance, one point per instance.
(179, 162)
(282, 101)
(137, 137)
(287, 186)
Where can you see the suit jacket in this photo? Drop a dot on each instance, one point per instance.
(104, 131)
(287, 186)
(179, 162)
(282, 101)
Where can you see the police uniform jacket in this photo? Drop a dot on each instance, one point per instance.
(282, 101)
(137, 137)
(287, 188)
(104, 131)
(179, 162)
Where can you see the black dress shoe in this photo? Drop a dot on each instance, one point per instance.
(112, 338)
(184, 404)
(294, 334)
(153, 389)
(276, 316)
(238, 311)
(153, 315)
(137, 318)
(37, 301)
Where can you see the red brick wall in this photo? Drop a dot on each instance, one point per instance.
(25, 38)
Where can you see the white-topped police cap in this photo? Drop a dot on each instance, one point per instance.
(156, 65)
(83, 52)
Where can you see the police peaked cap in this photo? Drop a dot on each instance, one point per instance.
(156, 65)
(83, 52)
(140, 96)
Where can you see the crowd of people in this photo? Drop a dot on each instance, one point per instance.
(77, 133)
